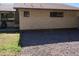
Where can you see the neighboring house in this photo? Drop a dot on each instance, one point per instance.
(47, 16)
(7, 16)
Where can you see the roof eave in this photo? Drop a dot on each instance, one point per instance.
(47, 8)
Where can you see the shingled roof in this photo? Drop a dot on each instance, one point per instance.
(45, 6)
(11, 6)
(7, 7)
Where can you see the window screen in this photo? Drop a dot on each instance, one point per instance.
(56, 14)
(26, 13)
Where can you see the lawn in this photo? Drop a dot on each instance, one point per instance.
(9, 43)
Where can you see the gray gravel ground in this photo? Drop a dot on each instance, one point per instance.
(55, 49)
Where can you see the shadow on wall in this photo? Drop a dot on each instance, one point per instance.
(31, 38)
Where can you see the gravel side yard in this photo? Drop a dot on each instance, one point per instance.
(59, 49)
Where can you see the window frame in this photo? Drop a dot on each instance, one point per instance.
(56, 14)
(26, 13)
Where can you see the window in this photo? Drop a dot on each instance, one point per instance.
(7, 15)
(3, 15)
(56, 14)
(10, 15)
(26, 13)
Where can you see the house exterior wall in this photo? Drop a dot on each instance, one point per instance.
(78, 18)
(40, 19)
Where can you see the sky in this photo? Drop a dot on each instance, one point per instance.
(73, 4)
(39, 1)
